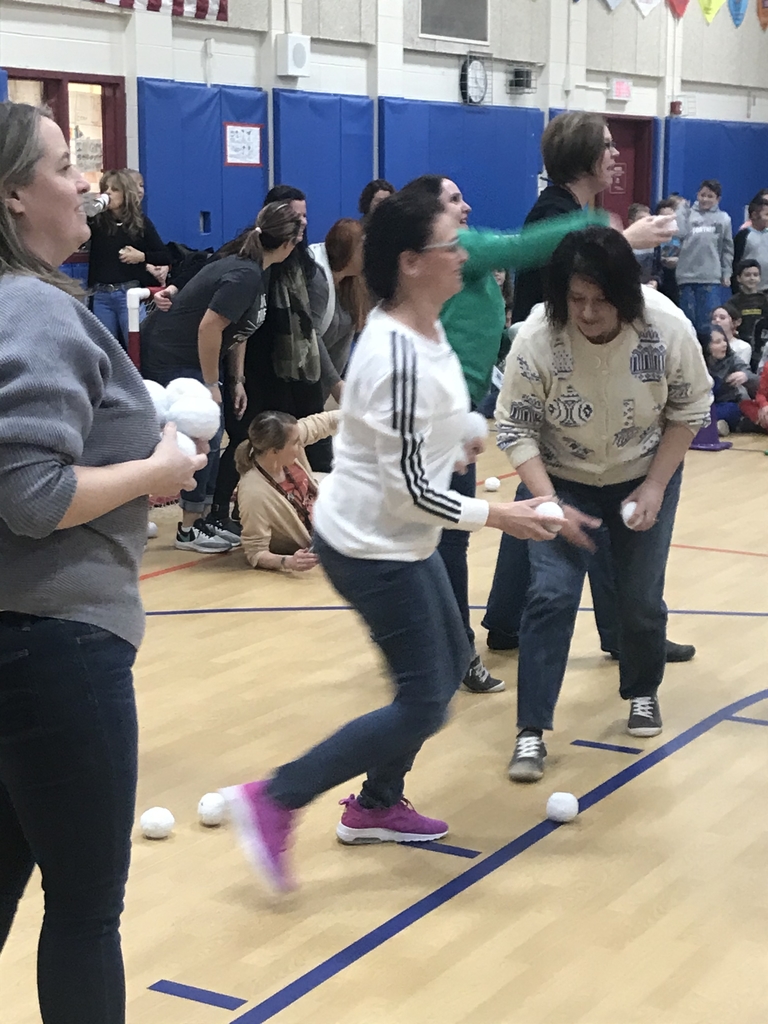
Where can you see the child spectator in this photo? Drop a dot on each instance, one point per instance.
(649, 259)
(669, 253)
(706, 254)
(752, 305)
(727, 318)
(756, 410)
(734, 381)
(751, 243)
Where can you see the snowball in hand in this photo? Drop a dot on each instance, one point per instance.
(211, 810)
(187, 386)
(551, 510)
(160, 399)
(157, 823)
(476, 426)
(627, 511)
(196, 416)
(562, 807)
(186, 444)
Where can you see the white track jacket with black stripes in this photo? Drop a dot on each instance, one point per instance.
(404, 418)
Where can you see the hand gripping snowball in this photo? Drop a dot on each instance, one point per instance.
(492, 483)
(196, 416)
(562, 807)
(476, 426)
(160, 399)
(186, 386)
(157, 823)
(627, 511)
(551, 510)
(186, 444)
(211, 810)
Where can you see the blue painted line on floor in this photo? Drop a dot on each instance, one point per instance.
(347, 608)
(198, 995)
(456, 851)
(335, 964)
(749, 721)
(607, 746)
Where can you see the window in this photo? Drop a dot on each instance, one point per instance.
(455, 19)
(86, 132)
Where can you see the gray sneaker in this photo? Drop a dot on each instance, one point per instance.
(479, 680)
(644, 717)
(201, 538)
(527, 764)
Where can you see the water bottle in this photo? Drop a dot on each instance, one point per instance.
(94, 203)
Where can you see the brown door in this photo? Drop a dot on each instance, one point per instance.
(633, 137)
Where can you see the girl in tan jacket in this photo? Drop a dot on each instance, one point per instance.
(277, 489)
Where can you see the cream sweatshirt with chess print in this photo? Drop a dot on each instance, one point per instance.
(596, 413)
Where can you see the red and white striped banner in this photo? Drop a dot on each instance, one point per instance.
(202, 10)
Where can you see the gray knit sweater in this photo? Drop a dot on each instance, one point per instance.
(69, 396)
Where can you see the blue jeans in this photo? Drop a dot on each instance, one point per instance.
(512, 577)
(68, 748)
(697, 302)
(557, 578)
(112, 309)
(728, 411)
(205, 479)
(454, 548)
(412, 616)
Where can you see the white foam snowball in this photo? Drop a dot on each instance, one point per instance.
(562, 807)
(627, 511)
(212, 809)
(186, 444)
(476, 426)
(157, 823)
(160, 399)
(186, 386)
(551, 510)
(196, 416)
(492, 483)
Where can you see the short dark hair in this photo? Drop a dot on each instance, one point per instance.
(600, 255)
(743, 265)
(634, 211)
(733, 311)
(370, 190)
(572, 144)
(713, 185)
(402, 224)
(757, 202)
(284, 193)
(665, 204)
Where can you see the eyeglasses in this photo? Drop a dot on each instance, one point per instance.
(453, 246)
(609, 144)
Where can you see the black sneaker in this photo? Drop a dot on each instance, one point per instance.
(479, 680)
(201, 538)
(226, 528)
(497, 641)
(675, 652)
(527, 764)
(644, 717)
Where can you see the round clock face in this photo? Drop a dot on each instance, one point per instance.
(477, 81)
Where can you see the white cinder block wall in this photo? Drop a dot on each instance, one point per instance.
(373, 47)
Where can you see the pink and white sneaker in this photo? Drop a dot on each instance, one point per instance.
(264, 829)
(398, 824)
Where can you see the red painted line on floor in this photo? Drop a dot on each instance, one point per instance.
(175, 568)
(721, 551)
(502, 476)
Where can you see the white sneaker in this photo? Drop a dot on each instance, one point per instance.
(201, 538)
(151, 530)
(723, 429)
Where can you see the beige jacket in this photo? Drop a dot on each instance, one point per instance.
(268, 519)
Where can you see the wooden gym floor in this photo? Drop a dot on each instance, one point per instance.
(650, 907)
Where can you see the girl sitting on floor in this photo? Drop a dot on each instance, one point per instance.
(277, 489)
(734, 381)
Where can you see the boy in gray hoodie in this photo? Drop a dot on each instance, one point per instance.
(706, 253)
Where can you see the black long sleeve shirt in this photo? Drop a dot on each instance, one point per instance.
(105, 266)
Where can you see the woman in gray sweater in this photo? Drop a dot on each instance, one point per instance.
(79, 453)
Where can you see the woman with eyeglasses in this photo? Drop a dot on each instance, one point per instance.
(405, 424)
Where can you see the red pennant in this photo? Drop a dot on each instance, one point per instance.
(762, 13)
(678, 6)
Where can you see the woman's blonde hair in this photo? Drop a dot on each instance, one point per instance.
(21, 149)
(131, 215)
(268, 432)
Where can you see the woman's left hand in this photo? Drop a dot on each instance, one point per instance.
(239, 400)
(739, 377)
(130, 255)
(648, 498)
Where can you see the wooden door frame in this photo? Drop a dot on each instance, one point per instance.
(643, 157)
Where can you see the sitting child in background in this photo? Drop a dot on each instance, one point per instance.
(728, 320)
(649, 259)
(277, 490)
(669, 253)
(752, 305)
(756, 410)
(734, 381)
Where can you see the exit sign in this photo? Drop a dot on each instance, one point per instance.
(621, 89)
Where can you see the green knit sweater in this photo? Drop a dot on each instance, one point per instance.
(474, 319)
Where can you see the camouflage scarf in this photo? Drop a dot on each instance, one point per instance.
(295, 353)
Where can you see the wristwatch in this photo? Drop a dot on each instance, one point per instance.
(237, 380)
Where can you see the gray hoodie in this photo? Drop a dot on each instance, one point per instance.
(706, 253)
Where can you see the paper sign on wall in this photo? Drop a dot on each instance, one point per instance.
(762, 13)
(710, 8)
(242, 144)
(646, 6)
(678, 7)
(738, 9)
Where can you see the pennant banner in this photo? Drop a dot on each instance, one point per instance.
(613, 4)
(762, 13)
(201, 10)
(710, 8)
(678, 7)
(646, 6)
(738, 9)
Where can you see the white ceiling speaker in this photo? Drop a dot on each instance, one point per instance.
(292, 55)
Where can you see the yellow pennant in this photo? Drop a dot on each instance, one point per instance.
(710, 8)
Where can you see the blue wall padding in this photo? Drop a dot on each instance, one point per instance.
(492, 153)
(734, 152)
(181, 146)
(324, 146)
(3, 85)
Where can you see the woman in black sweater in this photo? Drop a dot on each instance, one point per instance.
(123, 241)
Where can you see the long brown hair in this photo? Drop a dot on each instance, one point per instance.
(340, 243)
(131, 216)
(275, 225)
(20, 151)
(268, 432)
